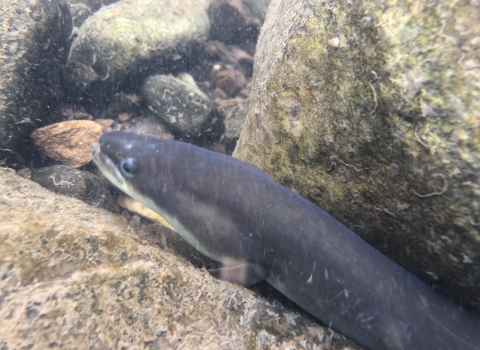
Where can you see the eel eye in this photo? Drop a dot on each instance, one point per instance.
(128, 167)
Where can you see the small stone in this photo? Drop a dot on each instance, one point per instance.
(74, 183)
(180, 105)
(211, 48)
(230, 81)
(136, 221)
(25, 173)
(68, 142)
(219, 94)
(105, 123)
(124, 117)
(218, 147)
(65, 112)
(149, 125)
(244, 93)
(244, 59)
(123, 103)
(334, 42)
(234, 112)
(233, 22)
(187, 78)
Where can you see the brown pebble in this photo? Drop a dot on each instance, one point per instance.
(124, 117)
(136, 221)
(218, 147)
(68, 142)
(240, 55)
(211, 49)
(218, 94)
(105, 123)
(126, 215)
(230, 81)
(244, 93)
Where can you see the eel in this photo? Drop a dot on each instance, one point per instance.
(232, 212)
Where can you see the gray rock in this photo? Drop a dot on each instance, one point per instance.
(82, 9)
(34, 45)
(233, 22)
(258, 7)
(121, 38)
(75, 183)
(76, 277)
(371, 110)
(180, 105)
(149, 125)
(234, 112)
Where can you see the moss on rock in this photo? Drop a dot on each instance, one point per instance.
(372, 111)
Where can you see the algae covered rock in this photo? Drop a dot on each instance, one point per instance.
(34, 39)
(372, 111)
(183, 107)
(131, 36)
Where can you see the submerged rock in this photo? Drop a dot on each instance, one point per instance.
(74, 276)
(233, 22)
(371, 110)
(180, 105)
(69, 142)
(130, 36)
(75, 183)
(234, 112)
(34, 45)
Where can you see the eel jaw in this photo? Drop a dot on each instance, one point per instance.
(109, 169)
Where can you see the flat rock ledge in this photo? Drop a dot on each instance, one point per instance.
(75, 276)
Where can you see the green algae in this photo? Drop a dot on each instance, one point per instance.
(372, 112)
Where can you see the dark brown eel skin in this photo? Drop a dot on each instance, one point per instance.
(258, 229)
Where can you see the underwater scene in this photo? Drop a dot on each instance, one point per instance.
(239, 174)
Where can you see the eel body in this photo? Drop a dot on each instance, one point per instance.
(258, 229)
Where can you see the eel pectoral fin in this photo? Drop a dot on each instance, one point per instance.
(244, 274)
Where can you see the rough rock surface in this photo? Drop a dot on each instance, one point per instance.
(74, 276)
(82, 9)
(33, 49)
(69, 142)
(233, 22)
(180, 105)
(130, 36)
(75, 183)
(234, 111)
(258, 7)
(229, 80)
(372, 111)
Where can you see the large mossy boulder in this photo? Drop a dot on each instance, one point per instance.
(130, 37)
(372, 111)
(34, 41)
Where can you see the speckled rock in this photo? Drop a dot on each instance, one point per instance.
(74, 276)
(372, 111)
(229, 80)
(33, 49)
(69, 142)
(75, 183)
(181, 106)
(129, 35)
(234, 111)
(82, 9)
(258, 7)
(233, 22)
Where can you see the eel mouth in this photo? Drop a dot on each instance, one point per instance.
(107, 166)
